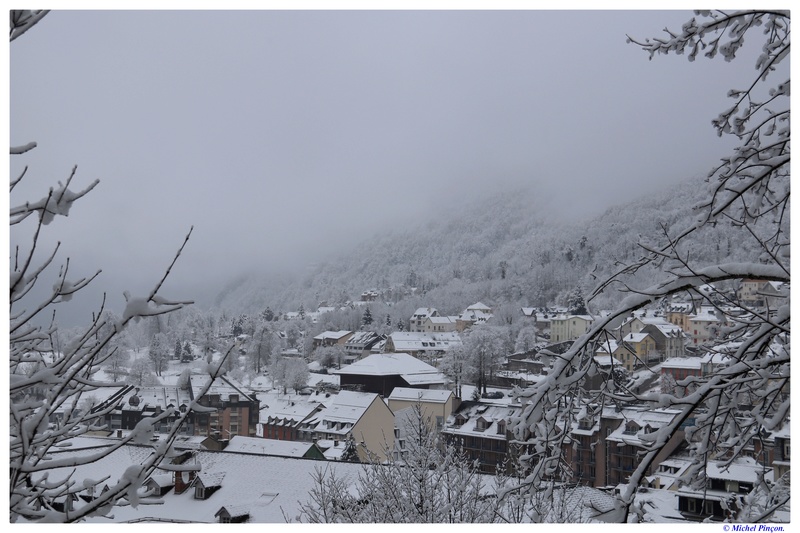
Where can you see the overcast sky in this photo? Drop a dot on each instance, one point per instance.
(285, 135)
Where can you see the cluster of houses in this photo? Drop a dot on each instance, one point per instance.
(360, 416)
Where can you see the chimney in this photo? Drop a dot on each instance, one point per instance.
(183, 480)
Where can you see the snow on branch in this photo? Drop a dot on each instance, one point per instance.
(57, 202)
(24, 19)
(16, 150)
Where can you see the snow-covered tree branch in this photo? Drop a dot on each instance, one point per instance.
(49, 381)
(749, 190)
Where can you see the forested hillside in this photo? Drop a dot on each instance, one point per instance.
(501, 249)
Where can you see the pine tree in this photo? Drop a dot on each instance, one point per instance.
(576, 305)
(178, 350)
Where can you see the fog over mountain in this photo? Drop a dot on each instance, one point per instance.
(505, 248)
(283, 137)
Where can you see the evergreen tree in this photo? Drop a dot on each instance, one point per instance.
(178, 350)
(366, 320)
(236, 326)
(575, 304)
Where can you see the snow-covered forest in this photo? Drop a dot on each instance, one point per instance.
(498, 249)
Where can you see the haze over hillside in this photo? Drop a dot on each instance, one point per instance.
(504, 248)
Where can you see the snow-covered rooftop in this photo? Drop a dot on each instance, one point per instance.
(683, 362)
(418, 341)
(348, 407)
(425, 395)
(635, 337)
(332, 335)
(269, 488)
(388, 364)
(279, 448)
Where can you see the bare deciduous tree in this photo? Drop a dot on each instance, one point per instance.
(49, 383)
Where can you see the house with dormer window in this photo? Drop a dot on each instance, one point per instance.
(725, 483)
(360, 417)
(481, 430)
(417, 321)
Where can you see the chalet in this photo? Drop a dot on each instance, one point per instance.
(381, 373)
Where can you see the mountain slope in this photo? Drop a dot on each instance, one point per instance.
(502, 249)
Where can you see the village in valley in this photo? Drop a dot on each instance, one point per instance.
(417, 292)
(255, 445)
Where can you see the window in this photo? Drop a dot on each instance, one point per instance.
(691, 505)
(709, 507)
